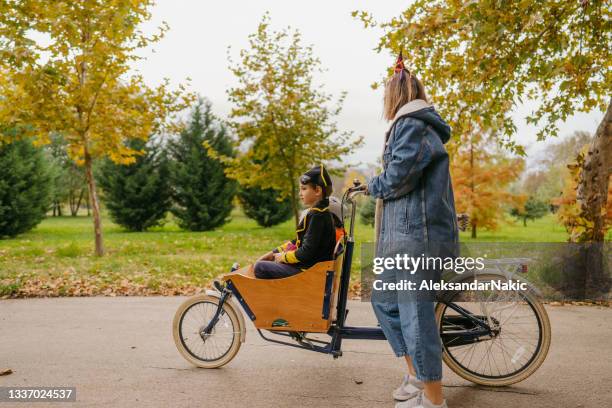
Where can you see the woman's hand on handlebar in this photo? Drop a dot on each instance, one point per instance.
(361, 187)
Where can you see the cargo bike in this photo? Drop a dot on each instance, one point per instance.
(490, 338)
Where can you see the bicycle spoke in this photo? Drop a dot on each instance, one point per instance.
(218, 342)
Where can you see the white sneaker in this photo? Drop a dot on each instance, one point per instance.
(420, 401)
(409, 389)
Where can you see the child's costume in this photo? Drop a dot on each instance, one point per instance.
(315, 236)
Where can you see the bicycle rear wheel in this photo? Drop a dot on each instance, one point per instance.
(206, 350)
(514, 349)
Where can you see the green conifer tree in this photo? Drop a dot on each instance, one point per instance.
(532, 210)
(137, 195)
(367, 212)
(202, 193)
(263, 205)
(25, 193)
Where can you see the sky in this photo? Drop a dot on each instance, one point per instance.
(202, 30)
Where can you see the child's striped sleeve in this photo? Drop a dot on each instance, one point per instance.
(283, 247)
(289, 257)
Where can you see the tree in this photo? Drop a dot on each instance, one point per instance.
(57, 173)
(68, 179)
(368, 212)
(77, 187)
(481, 176)
(532, 210)
(281, 118)
(592, 278)
(538, 184)
(137, 195)
(570, 213)
(264, 205)
(65, 68)
(25, 194)
(202, 193)
(546, 181)
(579, 277)
(593, 186)
(479, 59)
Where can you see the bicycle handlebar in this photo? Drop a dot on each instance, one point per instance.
(360, 187)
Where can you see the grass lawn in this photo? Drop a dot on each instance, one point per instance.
(545, 229)
(56, 258)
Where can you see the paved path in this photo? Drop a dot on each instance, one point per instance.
(119, 352)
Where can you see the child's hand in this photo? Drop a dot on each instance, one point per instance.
(267, 257)
(277, 257)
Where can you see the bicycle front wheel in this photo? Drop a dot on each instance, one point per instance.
(210, 350)
(511, 351)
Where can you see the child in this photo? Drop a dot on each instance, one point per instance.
(316, 232)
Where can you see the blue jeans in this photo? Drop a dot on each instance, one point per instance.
(273, 270)
(410, 327)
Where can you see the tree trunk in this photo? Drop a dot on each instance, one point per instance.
(294, 204)
(74, 206)
(91, 183)
(472, 186)
(592, 196)
(71, 202)
(88, 206)
(524, 221)
(592, 192)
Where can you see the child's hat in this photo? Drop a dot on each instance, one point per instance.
(317, 175)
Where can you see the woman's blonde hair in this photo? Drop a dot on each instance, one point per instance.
(400, 89)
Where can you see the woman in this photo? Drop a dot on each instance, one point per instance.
(415, 208)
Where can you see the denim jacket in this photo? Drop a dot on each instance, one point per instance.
(415, 185)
